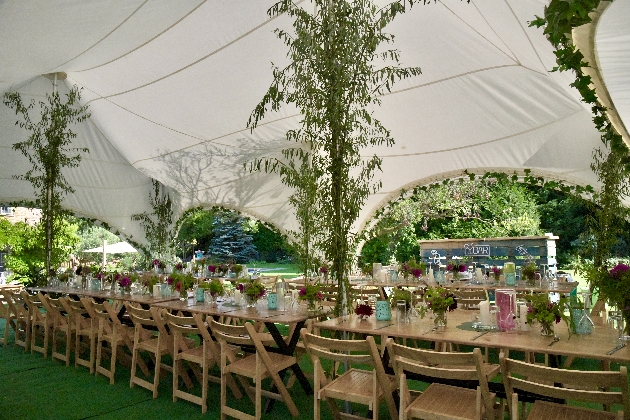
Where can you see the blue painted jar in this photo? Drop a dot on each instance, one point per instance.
(383, 310)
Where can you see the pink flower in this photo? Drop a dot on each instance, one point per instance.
(303, 291)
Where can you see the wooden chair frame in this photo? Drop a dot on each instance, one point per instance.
(60, 324)
(22, 322)
(446, 366)
(40, 322)
(85, 327)
(588, 386)
(258, 366)
(147, 338)
(377, 385)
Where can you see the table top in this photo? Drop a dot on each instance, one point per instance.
(562, 287)
(595, 345)
(104, 294)
(254, 314)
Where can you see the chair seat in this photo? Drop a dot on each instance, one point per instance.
(547, 410)
(247, 365)
(152, 345)
(440, 401)
(355, 385)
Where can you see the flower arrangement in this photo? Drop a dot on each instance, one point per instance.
(157, 264)
(547, 313)
(614, 286)
(183, 282)
(148, 280)
(456, 267)
(311, 294)
(323, 270)
(222, 269)
(400, 294)
(237, 269)
(215, 287)
(212, 269)
(528, 270)
(366, 270)
(440, 300)
(179, 266)
(125, 283)
(252, 288)
(496, 272)
(413, 268)
(363, 311)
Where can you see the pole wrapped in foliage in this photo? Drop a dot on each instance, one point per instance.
(158, 225)
(333, 78)
(48, 150)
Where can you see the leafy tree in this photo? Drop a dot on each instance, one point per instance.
(49, 152)
(456, 209)
(27, 251)
(333, 78)
(270, 244)
(231, 242)
(197, 230)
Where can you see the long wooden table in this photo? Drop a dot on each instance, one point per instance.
(596, 345)
(295, 320)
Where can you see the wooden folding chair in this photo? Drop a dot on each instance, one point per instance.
(470, 298)
(7, 313)
(147, 338)
(112, 333)
(40, 322)
(62, 323)
(355, 385)
(85, 328)
(22, 322)
(269, 282)
(439, 400)
(562, 384)
(258, 366)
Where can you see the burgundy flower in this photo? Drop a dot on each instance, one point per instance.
(364, 310)
(169, 281)
(212, 268)
(417, 272)
(618, 271)
(323, 269)
(496, 270)
(125, 281)
(240, 287)
(303, 291)
(156, 262)
(449, 267)
(179, 266)
(178, 286)
(462, 268)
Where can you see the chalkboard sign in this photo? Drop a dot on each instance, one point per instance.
(473, 250)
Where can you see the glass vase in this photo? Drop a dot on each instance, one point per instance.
(546, 329)
(251, 301)
(439, 320)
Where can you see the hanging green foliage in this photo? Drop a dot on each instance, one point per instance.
(48, 149)
(158, 225)
(611, 162)
(335, 74)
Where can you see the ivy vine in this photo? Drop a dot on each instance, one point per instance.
(158, 224)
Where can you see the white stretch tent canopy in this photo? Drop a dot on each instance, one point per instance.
(171, 84)
(117, 248)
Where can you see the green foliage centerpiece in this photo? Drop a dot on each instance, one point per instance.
(614, 287)
(547, 313)
(440, 301)
(252, 290)
(312, 294)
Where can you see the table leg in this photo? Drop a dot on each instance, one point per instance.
(288, 349)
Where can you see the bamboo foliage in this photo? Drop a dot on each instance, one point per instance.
(48, 151)
(335, 73)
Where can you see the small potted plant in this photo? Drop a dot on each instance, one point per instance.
(496, 273)
(456, 267)
(528, 271)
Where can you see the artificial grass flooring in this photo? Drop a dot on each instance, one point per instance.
(34, 387)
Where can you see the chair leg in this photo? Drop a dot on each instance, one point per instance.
(204, 385)
(156, 377)
(112, 369)
(176, 364)
(258, 383)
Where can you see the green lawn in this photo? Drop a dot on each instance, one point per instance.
(284, 270)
